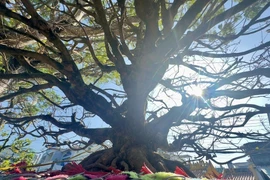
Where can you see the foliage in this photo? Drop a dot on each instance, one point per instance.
(15, 150)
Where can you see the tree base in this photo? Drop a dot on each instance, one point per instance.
(131, 159)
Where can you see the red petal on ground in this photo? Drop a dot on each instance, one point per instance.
(55, 173)
(180, 171)
(145, 169)
(60, 176)
(117, 177)
(114, 170)
(16, 170)
(73, 168)
(20, 178)
(220, 176)
(96, 175)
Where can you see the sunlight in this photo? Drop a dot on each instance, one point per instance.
(197, 91)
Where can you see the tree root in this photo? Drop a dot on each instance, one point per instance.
(132, 160)
(99, 160)
(163, 164)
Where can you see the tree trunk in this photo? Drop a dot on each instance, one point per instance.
(133, 145)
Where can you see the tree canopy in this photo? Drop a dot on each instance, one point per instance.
(162, 74)
(13, 149)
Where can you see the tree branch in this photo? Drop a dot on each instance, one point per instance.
(42, 57)
(21, 91)
(166, 46)
(38, 23)
(172, 40)
(120, 63)
(206, 54)
(235, 77)
(238, 94)
(96, 135)
(169, 14)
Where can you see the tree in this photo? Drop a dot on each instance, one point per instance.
(14, 149)
(134, 65)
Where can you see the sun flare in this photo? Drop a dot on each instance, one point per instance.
(197, 91)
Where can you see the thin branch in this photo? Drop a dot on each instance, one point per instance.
(206, 54)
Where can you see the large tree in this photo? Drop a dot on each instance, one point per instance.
(135, 65)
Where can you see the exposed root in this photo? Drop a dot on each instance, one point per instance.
(163, 164)
(114, 161)
(99, 160)
(136, 157)
(125, 165)
(172, 164)
(92, 158)
(131, 160)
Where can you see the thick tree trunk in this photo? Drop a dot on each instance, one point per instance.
(130, 158)
(134, 145)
